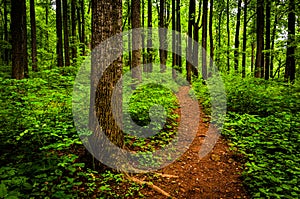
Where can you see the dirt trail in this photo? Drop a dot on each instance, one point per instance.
(214, 176)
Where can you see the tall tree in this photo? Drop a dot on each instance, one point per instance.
(189, 48)
(211, 39)
(268, 39)
(290, 68)
(82, 6)
(106, 22)
(136, 41)
(19, 39)
(178, 37)
(259, 64)
(162, 36)
(6, 51)
(244, 39)
(149, 38)
(66, 33)
(204, 39)
(33, 36)
(59, 46)
(228, 35)
(237, 37)
(73, 16)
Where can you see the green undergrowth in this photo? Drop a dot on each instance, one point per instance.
(262, 123)
(42, 155)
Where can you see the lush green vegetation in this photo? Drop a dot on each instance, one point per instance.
(262, 124)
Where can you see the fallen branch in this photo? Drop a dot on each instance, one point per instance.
(151, 185)
(166, 175)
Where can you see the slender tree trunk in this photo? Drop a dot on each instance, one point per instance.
(244, 40)
(204, 39)
(47, 23)
(174, 46)
(83, 27)
(66, 33)
(129, 35)
(79, 21)
(178, 37)
(268, 38)
(33, 37)
(290, 68)
(162, 38)
(196, 42)
(228, 37)
(136, 42)
(59, 46)
(211, 35)
(219, 38)
(189, 48)
(259, 64)
(73, 16)
(149, 38)
(19, 39)
(143, 33)
(110, 12)
(6, 51)
(273, 46)
(237, 37)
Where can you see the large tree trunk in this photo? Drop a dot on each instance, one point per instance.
(196, 40)
(106, 22)
(33, 36)
(59, 46)
(244, 39)
(19, 39)
(290, 68)
(237, 37)
(268, 38)
(66, 33)
(259, 64)
(136, 41)
(204, 39)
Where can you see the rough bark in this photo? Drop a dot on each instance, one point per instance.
(106, 22)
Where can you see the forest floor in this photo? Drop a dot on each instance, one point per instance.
(217, 175)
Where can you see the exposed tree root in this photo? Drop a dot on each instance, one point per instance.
(151, 185)
(166, 175)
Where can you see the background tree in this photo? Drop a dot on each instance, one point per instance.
(66, 33)
(204, 39)
(237, 37)
(19, 39)
(290, 69)
(259, 64)
(136, 41)
(33, 36)
(59, 46)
